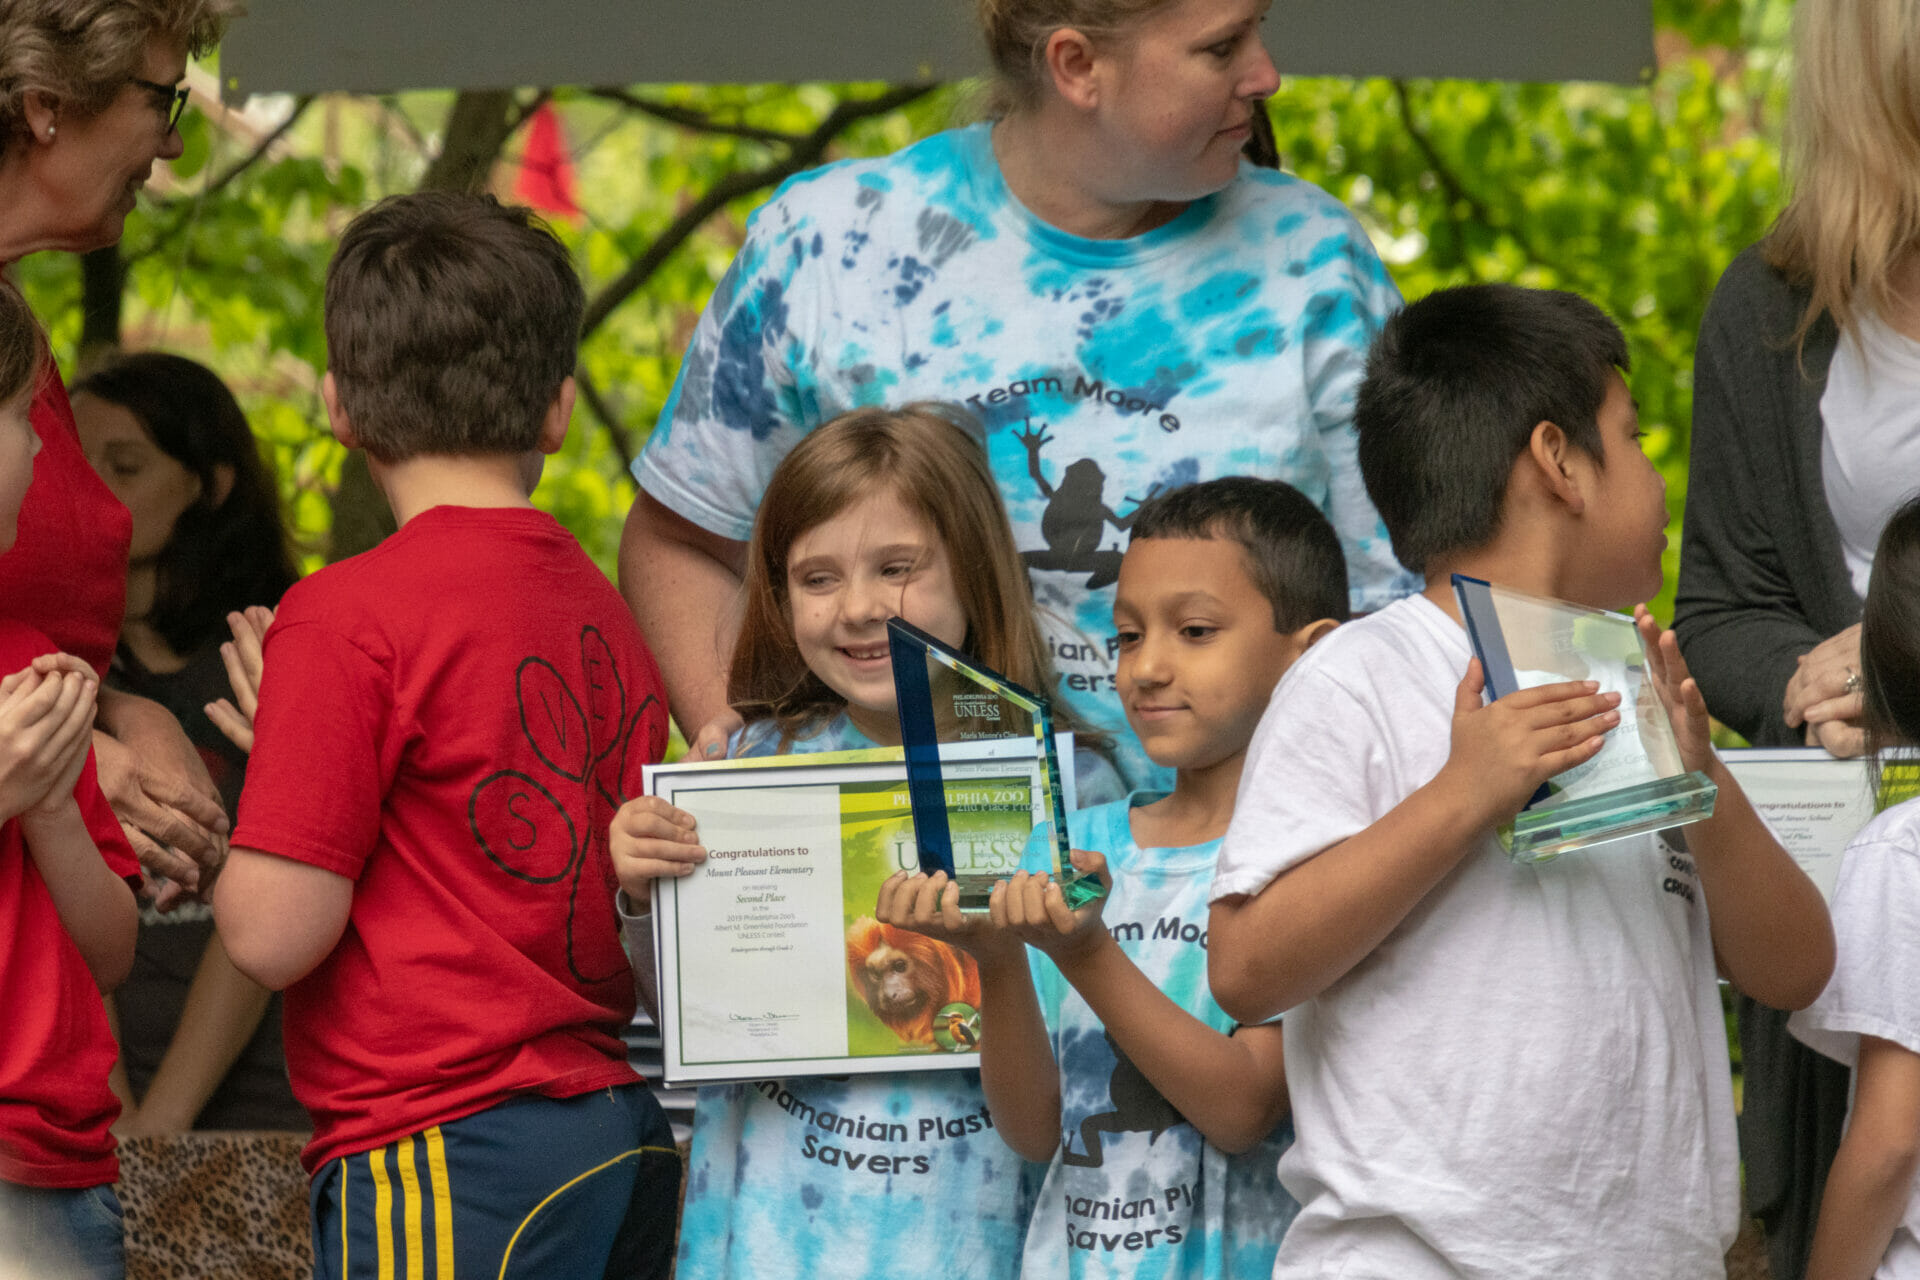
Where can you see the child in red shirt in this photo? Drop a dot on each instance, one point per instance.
(67, 913)
(445, 727)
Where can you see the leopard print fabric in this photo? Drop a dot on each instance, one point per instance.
(216, 1206)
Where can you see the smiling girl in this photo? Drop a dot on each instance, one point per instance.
(877, 514)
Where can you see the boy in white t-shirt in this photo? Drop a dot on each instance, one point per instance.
(1497, 1070)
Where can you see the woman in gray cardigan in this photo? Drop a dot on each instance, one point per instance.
(1806, 436)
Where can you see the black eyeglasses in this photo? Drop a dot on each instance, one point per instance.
(174, 95)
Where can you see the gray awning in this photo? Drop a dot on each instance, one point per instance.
(374, 46)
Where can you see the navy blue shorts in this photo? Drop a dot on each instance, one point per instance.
(550, 1187)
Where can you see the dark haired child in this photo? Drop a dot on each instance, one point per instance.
(67, 913)
(445, 727)
(1868, 1018)
(1161, 1118)
(1498, 1069)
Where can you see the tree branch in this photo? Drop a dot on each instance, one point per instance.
(616, 430)
(1456, 193)
(805, 152)
(688, 118)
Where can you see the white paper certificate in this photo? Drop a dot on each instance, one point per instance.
(1814, 803)
(769, 958)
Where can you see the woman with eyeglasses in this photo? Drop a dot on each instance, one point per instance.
(89, 103)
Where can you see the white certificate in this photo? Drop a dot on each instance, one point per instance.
(769, 958)
(1813, 802)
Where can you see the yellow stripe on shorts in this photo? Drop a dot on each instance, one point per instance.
(442, 1205)
(410, 1209)
(382, 1211)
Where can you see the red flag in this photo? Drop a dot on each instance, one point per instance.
(545, 180)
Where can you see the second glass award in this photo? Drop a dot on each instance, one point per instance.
(1636, 783)
(977, 829)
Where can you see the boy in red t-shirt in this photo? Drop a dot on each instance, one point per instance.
(67, 912)
(446, 725)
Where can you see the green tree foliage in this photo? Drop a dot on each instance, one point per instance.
(1637, 196)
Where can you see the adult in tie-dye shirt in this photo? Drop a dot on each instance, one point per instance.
(1004, 268)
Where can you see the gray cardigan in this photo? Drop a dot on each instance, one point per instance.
(1762, 576)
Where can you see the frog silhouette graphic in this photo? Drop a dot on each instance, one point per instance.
(1074, 523)
(1138, 1107)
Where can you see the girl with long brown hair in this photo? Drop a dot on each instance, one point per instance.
(875, 514)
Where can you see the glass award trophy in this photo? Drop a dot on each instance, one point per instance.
(1636, 783)
(976, 820)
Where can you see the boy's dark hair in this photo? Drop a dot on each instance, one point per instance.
(1890, 635)
(1293, 554)
(1455, 385)
(451, 322)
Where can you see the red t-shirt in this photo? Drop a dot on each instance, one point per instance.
(450, 720)
(66, 575)
(55, 1048)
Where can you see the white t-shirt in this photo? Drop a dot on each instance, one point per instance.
(1528, 1077)
(1870, 447)
(1875, 988)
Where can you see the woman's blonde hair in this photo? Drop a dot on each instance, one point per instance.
(1017, 31)
(81, 52)
(926, 458)
(1853, 157)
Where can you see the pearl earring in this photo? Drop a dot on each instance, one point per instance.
(49, 133)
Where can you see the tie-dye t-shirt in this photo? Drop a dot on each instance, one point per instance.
(852, 1177)
(1134, 1190)
(1228, 342)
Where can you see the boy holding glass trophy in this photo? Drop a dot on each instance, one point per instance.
(1500, 1065)
(1160, 1119)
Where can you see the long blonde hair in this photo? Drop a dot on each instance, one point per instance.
(1853, 157)
(928, 460)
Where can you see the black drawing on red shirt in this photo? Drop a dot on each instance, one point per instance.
(1074, 523)
(1138, 1107)
(528, 827)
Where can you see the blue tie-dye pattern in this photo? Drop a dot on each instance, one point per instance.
(1237, 1212)
(964, 1216)
(1229, 341)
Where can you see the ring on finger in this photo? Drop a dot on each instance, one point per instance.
(1853, 681)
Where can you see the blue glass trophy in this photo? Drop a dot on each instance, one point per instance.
(1637, 783)
(978, 819)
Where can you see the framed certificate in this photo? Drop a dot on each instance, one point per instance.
(769, 957)
(1814, 803)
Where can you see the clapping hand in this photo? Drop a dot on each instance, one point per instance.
(243, 659)
(46, 726)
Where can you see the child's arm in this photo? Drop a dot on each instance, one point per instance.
(94, 905)
(1872, 1176)
(1284, 945)
(279, 918)
(1017, 1068)
(1232, 1088)
(223, 1010)
(1771, 930)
